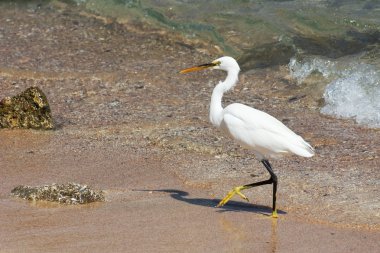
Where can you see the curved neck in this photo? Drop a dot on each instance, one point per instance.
(216, 109)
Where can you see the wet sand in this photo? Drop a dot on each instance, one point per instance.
(129, 124)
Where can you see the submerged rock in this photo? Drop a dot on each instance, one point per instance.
(270, 54)
(29, 109)
(70, 193)
(350, 43)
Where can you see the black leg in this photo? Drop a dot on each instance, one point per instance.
(274, 181)
(271, 180)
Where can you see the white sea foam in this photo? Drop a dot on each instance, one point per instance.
(301, 69)
(353, 90)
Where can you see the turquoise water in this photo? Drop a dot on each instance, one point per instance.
(334, 28)
(338, 38)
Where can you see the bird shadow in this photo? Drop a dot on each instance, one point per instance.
(231, 206)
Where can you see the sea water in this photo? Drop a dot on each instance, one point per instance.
(329, 35)
(353, 89)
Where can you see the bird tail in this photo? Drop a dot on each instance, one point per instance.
(303, 149)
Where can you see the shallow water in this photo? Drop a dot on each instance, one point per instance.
(236, 26)
(267, 33)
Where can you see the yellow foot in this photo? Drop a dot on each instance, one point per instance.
(234, 191)
(274, 214)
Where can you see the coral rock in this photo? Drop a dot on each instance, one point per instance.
(29, 109)
(70, 193)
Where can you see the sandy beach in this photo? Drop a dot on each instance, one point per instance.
(129, 124)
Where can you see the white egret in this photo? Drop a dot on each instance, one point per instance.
(266, 136)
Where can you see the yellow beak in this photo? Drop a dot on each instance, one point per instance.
(197, 68)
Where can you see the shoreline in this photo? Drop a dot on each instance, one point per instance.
(128, 121)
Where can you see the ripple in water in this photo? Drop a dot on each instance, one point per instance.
(353, 90)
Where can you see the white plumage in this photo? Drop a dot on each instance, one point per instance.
(266, 136)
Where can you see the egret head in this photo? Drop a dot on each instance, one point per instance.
(225, 63)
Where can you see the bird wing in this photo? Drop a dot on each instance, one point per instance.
(256, 119)
(262, 132)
